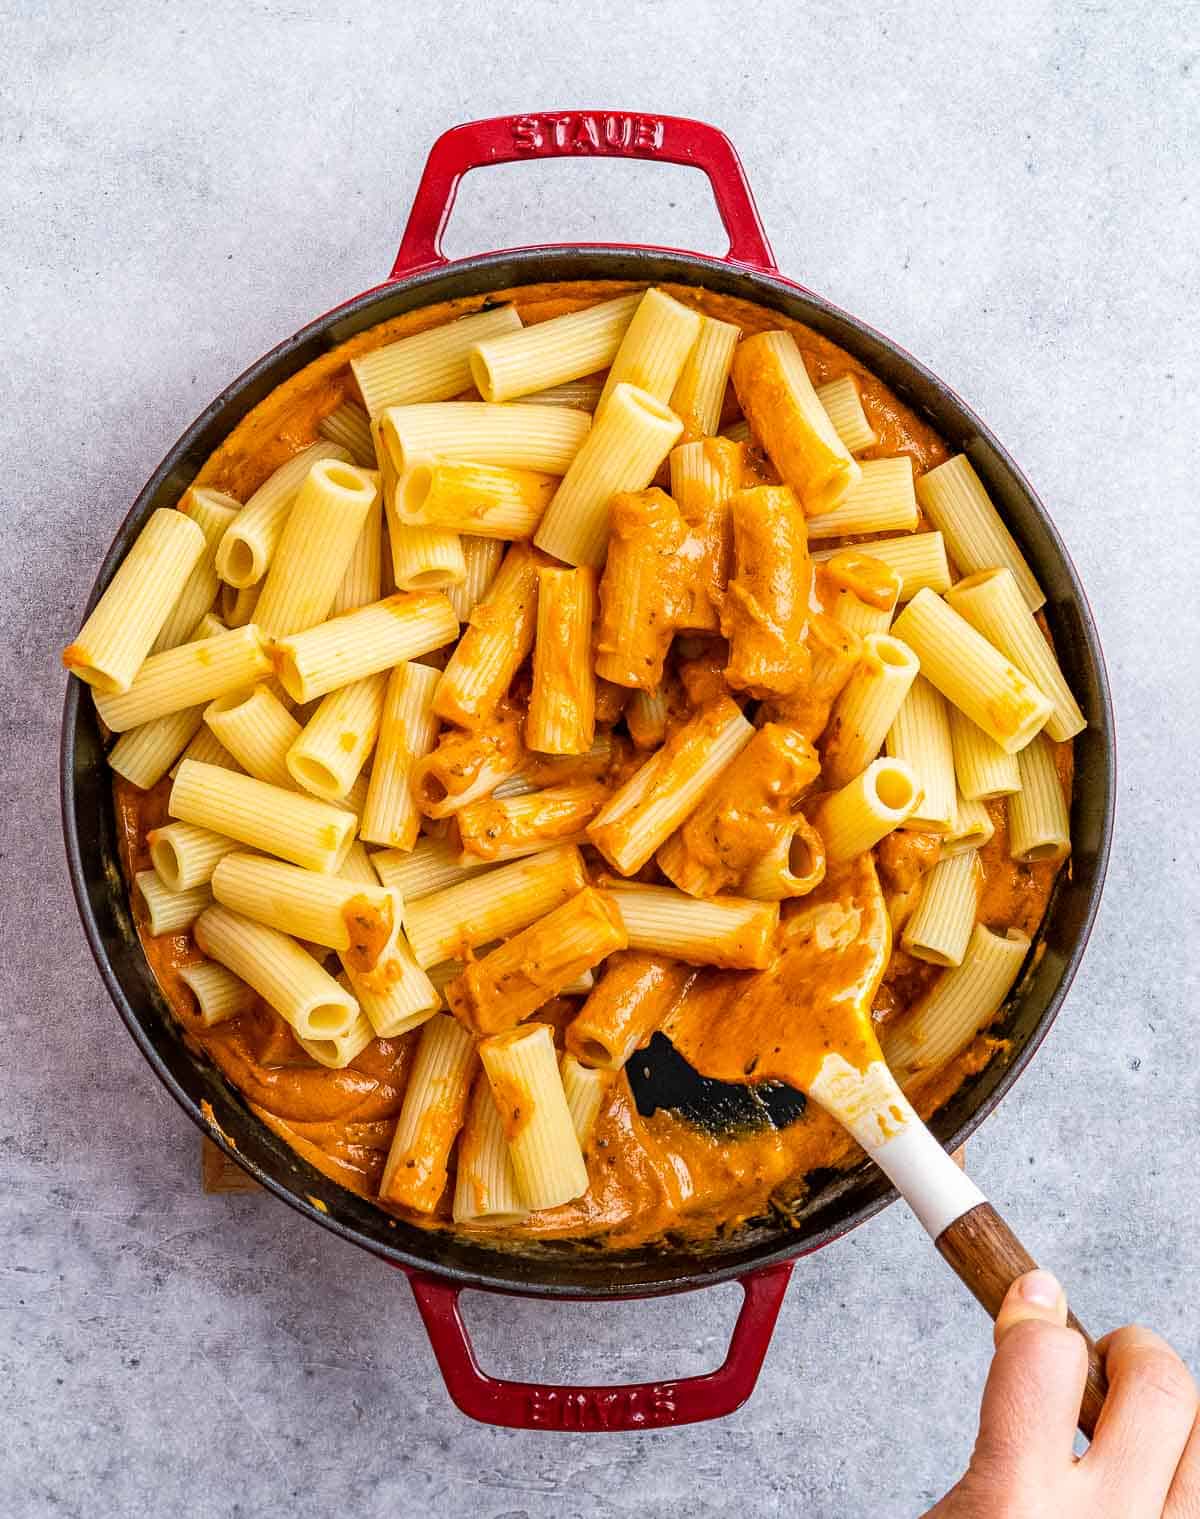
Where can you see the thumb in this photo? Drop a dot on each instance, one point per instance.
(1036, 1295)
(1031, 1401)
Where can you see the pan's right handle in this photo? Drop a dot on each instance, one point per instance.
(641, 1405)
(987, 1256)
(580, 134)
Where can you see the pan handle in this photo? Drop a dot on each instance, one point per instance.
(639, 1405)
(580, 134)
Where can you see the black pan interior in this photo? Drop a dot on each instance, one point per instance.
(841, 1200)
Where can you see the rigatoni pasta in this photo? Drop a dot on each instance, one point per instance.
(953, 498)
(972, 673)
(632, 435)
(523, 1071)
(697, 732)
(108, 651)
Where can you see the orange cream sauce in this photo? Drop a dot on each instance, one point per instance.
(650, 1177)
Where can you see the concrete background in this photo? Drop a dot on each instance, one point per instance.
(1008, 191)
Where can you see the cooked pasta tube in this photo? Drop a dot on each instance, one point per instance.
(219, 994)
(744, 814)
(485, 1185)
(1039, 824)
(435, 1104)
(397, 995)
(700, 389)
(632, 435)
(584, 1087)
(630, 1001)
(339, 1050)
(954, 500)
(543, 438)
(960, 1004)
(562, 702)
(660, 795)
(407, 732)
(492, 905)
(170, 912)
(185, 856)
(972, 673)
(654, 349)
(646, 717)
(110, 649)
(362, 582)
(425, 558)
(883, 501)
(432, 865)
(779, 402)
(992, 603)
(564, 348)
(854, 819)
(973, 828)
(834, 652)
(918, 558)
(315, 548)
(940, 929)
(144, 754)
(449, 970)
(187, 675)
(335, 742)
(983, 769)
(482, 499)
(733, 932)
(859, 616)
(583, 395)
(428, 366)
(920, 734)
(704, 475)
(518, 977)
(358, 920)
(245, 552)
(507, 828)
(206, 748)
(793, 866)
(867, 707)
(292, 982)
(498, 638)
(358, 644)
(297, 828)
(258, 730)
(647, 588)
(466, 766)
(238, 607)
(765, 609)
(481, 560)
(843, 406)
(522, 1069)
(349, 425)
(212, 512)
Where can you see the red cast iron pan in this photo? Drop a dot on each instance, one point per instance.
(761, 1256)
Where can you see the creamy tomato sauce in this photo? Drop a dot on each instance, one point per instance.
(649, 1176)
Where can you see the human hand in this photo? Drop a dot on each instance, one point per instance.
(1144, 1461)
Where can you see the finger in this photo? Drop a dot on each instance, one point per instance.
(1031, 1401)
(1183, 1501)
(1145, 1423)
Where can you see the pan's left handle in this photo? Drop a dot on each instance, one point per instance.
(580, 134)
(640, 1405)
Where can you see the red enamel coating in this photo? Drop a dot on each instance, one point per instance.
(637, 1405)
(581, 134)
(669, 139)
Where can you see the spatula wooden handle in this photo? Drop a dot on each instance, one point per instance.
(988, 1257)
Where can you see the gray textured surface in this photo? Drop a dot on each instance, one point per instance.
(1009, 191)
